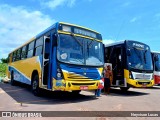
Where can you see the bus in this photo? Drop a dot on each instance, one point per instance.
(64, 57)
(131, 63)
(156, 67)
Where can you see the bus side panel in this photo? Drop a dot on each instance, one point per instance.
(23, 69)
(157, 77)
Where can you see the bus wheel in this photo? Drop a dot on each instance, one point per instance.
(124, 89)
(35, 86)
(12, 79)
(76, 92)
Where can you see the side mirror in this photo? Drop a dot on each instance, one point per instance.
(128, 52)
(55, 36)
(120, 57)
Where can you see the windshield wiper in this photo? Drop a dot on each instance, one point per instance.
(140, 58)
(145, 56)
(77, 40)
(89, 45)
(138, 54)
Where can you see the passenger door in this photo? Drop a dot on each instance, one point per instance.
(46, 54)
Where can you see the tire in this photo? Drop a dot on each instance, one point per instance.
(124, 89)
(35, 86)
(13, 82)
(76, 92)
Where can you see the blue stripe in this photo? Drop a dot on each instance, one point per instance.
(18, 76)
(91, 73)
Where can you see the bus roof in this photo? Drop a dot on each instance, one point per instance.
(50, 28)
(79, 26)
(155, 52)
(120, 42)
(115, 43)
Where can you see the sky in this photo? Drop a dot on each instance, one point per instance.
(116, 20)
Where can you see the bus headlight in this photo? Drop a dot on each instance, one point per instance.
(59, 75)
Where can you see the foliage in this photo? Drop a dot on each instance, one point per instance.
(3, 68)
(4, 60)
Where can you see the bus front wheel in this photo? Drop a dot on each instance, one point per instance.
(35, 86)
(76, 92)
(124, 89)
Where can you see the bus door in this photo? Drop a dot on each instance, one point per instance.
(45, 67)
(118, 66)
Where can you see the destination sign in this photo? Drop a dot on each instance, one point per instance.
(80, 31)
(138, 45)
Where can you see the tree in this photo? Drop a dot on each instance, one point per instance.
(4, 60)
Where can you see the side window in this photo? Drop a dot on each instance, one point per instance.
(30, 49)
(39, 46)
(24, 53)
(38, 51)
(14, 56)
(18, 56)
(9, 58)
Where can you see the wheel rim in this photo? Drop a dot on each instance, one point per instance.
(34, 86)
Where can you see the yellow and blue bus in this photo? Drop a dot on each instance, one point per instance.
(131, 64)
(64, 57)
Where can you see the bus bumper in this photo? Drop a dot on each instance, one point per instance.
(140, 83)
(69, 85)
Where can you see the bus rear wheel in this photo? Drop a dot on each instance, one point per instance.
(124, 89)
(12, 79)
(35, 86)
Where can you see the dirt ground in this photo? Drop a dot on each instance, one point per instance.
(20, 98)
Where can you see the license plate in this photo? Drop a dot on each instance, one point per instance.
(83, 87)
(144, 85)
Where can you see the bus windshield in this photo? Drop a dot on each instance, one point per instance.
(78, 50)
(157, 63)
(140, 59)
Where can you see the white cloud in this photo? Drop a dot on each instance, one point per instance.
(52, 4)
(17, 25)
(126, 4)
(157, 15)
(108, 41)
(133, 19)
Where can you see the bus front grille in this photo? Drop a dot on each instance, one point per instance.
(142, 83)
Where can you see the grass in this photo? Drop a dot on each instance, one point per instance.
(3, 68)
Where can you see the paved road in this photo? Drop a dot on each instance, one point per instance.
(20, 98)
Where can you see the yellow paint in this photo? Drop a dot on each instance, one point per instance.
(78, 79)
(78, 26)
(77, 87)
(134, 83)
(68, 33)
(27, 66)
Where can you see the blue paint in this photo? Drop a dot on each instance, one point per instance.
(91, 73)
(18, 76)
(58, 83)
(46, 30)
(49, 85)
